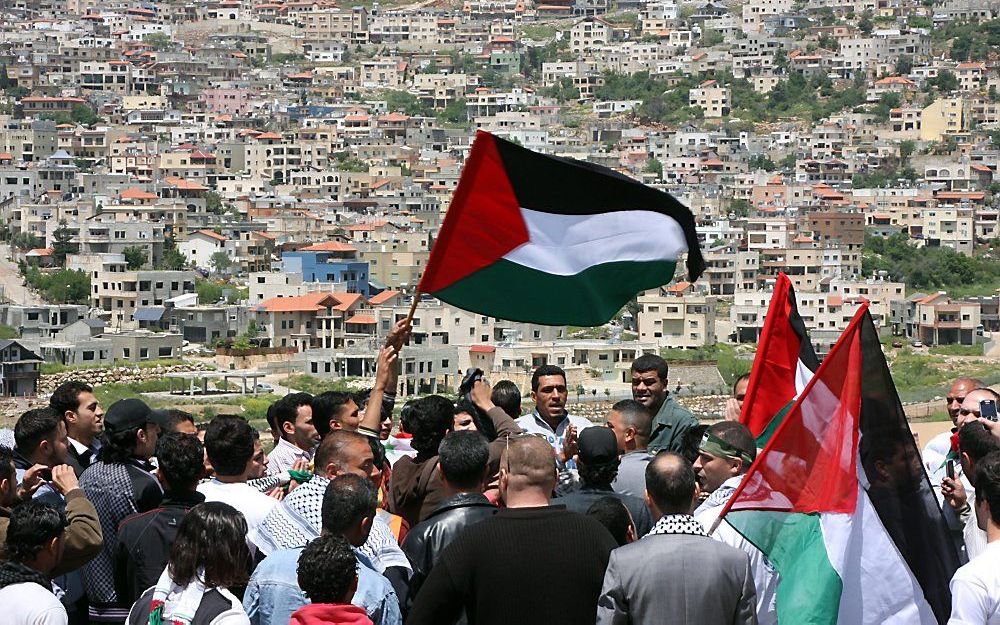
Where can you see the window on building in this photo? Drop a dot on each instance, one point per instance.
(166, 352)
(143, 353)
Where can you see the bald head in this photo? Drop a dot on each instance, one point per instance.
(960, 388)
(670, 484)
(530, 464)
(970, 410)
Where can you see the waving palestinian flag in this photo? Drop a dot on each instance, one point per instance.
(540, 239)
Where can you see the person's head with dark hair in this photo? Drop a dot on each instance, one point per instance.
(328, 570)
(597, 458)
(612, 514)
(74, 401)
(180, 421)
(211, 542)
(131, 430)
(272, 420)
(41, 437)
(740, 388)
(631, 423)
(670, 484)
(229, 441)
(507, 397)
(35, 536)
(528, 472)
(181, 461)
(345, 452)
(465, 418)
(349, 505)
(970, 410)
(549, 392)
(462, 460)
(727, 450)
(649, 381)
(974, 443)
(8, 478)
(428, 420)
(987, 481)
(293, 417)
(890, 460)
(691, 442)
(333, 410)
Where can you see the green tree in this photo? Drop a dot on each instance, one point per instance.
(159, 41)
(173, 259)
(865, 24)
(135, 257)
(886, 102)
(906, 149)
(945, 81)
(654, 166)
(213, 202)
(220, 262)
(64, 286)
(788, 162)
(208, 292)
(25, 241)
(904, 65)
(405, 102)
(761, 161)
(455, 112)
(61, 243)
(83, 114)
(740, 207)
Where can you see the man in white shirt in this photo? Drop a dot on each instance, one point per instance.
(74, 401)
(550, 418)
(298, 438)
(937, 449)
(975, 588)
(235, 452)
(34, 546)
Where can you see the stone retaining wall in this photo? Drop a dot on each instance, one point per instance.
(112, 375)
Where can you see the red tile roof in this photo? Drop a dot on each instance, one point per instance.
(310, 302)
(210, 234)
(367, 320)
(382, 297)
(329, 246)
(482, 349)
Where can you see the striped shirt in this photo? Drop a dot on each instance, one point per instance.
(284, 456)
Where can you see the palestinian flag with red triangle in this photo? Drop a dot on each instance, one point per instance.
(536, 238)
(839, 502)
(784, 364)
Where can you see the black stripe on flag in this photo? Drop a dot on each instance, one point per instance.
(899, 488)
(807, 355)
(566, 186)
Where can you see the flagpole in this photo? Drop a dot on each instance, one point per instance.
(413, 307)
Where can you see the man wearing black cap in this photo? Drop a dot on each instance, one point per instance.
(120, 484)
(597, 462)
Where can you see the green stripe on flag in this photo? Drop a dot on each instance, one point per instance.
(507, 290)
(772, 425)
(809, 588)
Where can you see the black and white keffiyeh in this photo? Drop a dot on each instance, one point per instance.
(677, 524)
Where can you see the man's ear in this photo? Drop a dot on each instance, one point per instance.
(288, 427)
(331, 470)
(630, 434)
(966, 460)
(534, 396)
(69, 416)
(336, 425)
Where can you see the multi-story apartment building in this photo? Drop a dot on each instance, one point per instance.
(677, 316)
(118, 291)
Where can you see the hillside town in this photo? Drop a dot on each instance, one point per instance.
(261, 183)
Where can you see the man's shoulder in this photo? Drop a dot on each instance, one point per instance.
(581, 422)
(278, 560)
(940, 444)
(673, 410)
(716, 552)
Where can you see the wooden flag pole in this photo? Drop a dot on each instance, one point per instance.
(413, 307)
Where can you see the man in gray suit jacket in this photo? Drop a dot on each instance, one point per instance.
(676, 572)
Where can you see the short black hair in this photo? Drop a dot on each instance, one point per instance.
(287, 408)
(546, 370)
(181, 459)
(178, 416)
(974, 439)
(66, 397)
(348, 499)
(988, 483)
(612, 514)
(7, 470)
(269, 416)
(651, 362)
(463, 457)
(32, 525)
(636, 415)
(325, 407)
(507, 396)
(33, 427)
(670, 482)
(483, 422)
(428, 420)
(743, 378)
(229, 443)
(327, 569)
(211, 542)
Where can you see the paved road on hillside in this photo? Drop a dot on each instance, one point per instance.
(10, 282)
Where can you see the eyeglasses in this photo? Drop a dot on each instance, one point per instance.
(741, 397)
(955, 399)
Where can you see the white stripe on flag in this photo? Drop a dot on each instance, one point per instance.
(566, 245)
(878, 585)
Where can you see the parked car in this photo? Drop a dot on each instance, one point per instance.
(264, 387)
(917, 344)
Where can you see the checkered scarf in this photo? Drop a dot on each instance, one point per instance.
(298, 519)
(677, 524)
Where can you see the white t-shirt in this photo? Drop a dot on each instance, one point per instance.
(251, 502)
(30, 604)
(975, 590)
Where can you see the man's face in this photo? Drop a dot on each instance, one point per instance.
(740, 391)
(385, 428)
(152, 431)
(303, 432)
(88, 419)
(970, 407)
(623, 432)
(58, 446)
(648, 389)
(258, 464)
(714, 470)
(550, 398)
(956, 396)
(186, 427)
(349, 416)
(464, 421)
(357, 458)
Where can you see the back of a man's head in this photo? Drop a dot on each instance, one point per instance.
(348, 499)
(181, 460)
(35, 426)
(32, 527)
(976, 441)
(334, 448)
(670, 483)
(988, 486)
(326, 408)
(735, 440)
(507, 396)
(463, 457)
(428, 420)
(530, 464)
(229, 441)
(328, 570)
(612, 514)
(634, 414)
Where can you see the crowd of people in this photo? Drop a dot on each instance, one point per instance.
(467, 512)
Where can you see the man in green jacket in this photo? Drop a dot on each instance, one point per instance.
(671, 421)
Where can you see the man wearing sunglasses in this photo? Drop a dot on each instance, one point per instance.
(936, 451)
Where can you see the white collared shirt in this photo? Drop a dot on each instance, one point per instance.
(284, 456)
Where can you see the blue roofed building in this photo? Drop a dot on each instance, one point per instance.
(330, 261)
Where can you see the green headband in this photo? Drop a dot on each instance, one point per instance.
(715, 446)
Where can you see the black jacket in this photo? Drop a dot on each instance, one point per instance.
(425, 542)
(144, 542)
(581, 500)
